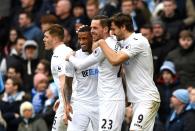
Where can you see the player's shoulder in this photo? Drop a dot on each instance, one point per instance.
(111, 39)
(139, 40)
(79, 53)
(139, 37)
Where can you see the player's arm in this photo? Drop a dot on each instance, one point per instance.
(92, 59)
(62, 89)
(115, 58)
(68, 88)
(68, 94)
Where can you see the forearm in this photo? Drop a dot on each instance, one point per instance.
(78, 64)
(112, 56)
(62, 89)
(68, 88)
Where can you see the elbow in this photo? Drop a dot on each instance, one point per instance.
(115, 62)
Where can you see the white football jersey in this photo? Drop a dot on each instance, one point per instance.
(85, 89)
(109, 81)
(59, 66)
(139, 69)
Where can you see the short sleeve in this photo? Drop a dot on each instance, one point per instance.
(98, 54)
(69, 69)
(134, 48)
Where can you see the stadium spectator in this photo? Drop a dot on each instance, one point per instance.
(43, 67)
(38, 92)
(15, 57)
(64, 17)
(128, 7)
(10, 102)
(48, 112)
(161, 44)
(30, 122)
(46, 21)
(30, 54)
(192, 98)
(92, 8)
(166, 83)
(28, 27)
(170, 17)
(147, 31)
(186, 54)
(182, 118)
(13, 35)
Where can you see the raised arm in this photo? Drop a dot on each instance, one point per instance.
(115, 58)
(92, 59)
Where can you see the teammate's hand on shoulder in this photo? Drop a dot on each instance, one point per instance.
(101, 41)
(72, 53)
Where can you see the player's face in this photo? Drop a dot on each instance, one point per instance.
(96, 30)
(48, 41)
(117, 32)
(85, 41)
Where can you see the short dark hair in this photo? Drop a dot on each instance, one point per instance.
(16, 81)
(147, 26)
(28, 15)
(46, 64)
(104, 20)
(185, 34)
(173, 1)
(56, 30)
(121, 20)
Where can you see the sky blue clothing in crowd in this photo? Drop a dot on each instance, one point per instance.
(1, 83)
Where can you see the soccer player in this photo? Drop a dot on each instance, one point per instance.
(53, 39)
(110, 89)
(137, 59)
(85, 99)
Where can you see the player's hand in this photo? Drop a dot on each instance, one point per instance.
(72, 53)
(68, 111)
(100, 41)
(56, 105)
(65, 119)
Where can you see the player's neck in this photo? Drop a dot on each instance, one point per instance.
(127, 35)
(106, 36)
(57, 44)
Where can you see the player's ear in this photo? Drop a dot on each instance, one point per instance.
(123, 28)
(106, 29)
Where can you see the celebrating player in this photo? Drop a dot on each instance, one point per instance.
(110, 89)
(85, 100)
(53, 39)
(138, 64)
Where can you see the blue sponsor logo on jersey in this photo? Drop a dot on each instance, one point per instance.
(90, 72)
(126, 62)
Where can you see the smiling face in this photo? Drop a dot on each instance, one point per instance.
(85, 41)
(97, 31)
(117, 31)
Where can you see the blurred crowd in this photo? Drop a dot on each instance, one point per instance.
(27, 89)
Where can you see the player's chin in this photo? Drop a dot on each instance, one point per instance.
(84, 48)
